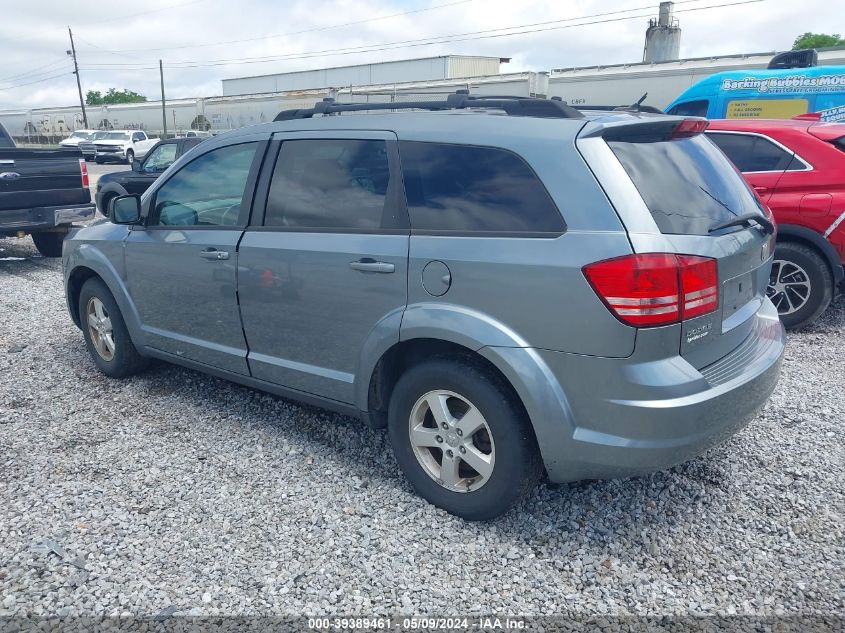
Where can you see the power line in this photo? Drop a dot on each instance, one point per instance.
(29, 83)
(430, 41)
(34, 71)
(289, 34)
(135, 15)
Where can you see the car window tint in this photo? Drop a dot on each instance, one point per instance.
(691, 108)
(752, 153)
(474, 189)
(331, 184)
(687, 184)
(160, 158)
(207, 191)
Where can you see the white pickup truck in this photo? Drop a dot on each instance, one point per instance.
(123, 146)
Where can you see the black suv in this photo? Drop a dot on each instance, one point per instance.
(143, 173)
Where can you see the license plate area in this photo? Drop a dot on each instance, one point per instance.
(737, 293)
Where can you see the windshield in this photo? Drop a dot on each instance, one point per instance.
(688, 184)
(116, 136)
(84, 135)
(96, 136)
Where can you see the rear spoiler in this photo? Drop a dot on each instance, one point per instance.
(642, 129)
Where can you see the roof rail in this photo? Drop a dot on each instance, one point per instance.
(460, 100)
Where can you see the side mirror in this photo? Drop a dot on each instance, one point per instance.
(125, 210)
(136, 166)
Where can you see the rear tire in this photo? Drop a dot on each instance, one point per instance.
(800, 285)
(105, 331)
(49, 244)
(440, 461)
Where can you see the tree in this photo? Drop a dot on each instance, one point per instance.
(817, 40)
(95, 97)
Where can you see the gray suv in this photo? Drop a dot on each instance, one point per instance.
(509, 286)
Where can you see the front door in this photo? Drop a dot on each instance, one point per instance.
(327, 271)
(181, 266)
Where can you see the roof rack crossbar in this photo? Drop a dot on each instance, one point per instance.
(513, 106)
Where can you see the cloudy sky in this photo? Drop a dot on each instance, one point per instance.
(119, 42)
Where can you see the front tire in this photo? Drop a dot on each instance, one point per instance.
(800, 284)
(130, 157)
(49, 244)
(106, 335)
(461, 439)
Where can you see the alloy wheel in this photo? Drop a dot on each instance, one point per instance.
(789, 286)
(452, 441)
(100, 328)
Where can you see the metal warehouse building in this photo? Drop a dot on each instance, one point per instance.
(402, 71)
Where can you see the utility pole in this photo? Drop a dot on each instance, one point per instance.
(72, 51)
(163, 111)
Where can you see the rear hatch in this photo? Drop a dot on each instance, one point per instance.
(695, 201)
(31, 178)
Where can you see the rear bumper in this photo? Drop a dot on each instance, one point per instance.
(626, 416)
(44, 218)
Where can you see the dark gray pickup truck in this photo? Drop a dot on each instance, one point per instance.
(42, 192)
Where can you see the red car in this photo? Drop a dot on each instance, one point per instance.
(797, 167)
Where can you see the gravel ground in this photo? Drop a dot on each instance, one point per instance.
(177, 490)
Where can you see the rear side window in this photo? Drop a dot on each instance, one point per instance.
(686, 183)
(331, 184)
(691, 108)
(468, 189)
(752, 153)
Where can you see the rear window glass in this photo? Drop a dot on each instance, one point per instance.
(752, 153)
(469, 189)
(686, 183)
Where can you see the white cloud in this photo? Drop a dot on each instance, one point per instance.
(33, 37)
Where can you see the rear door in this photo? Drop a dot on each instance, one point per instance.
(672, 189)
(32, 178)
(761, 159)
(326, 270)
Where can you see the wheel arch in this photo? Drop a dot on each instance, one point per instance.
(107, 191)
(88, 262)
(812, 239)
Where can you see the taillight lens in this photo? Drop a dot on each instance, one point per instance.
(652, 289)
(699, 285)
(83, 169)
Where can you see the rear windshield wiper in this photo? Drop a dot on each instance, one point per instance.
(745, 219)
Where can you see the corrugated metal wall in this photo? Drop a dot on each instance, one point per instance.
(424, 69)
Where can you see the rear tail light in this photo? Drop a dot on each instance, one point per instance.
(689, 127)
(652, 289)
(83, 169)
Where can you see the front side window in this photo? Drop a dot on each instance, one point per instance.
(751, 153)
(691, 108)
(334, 184)
(469, 189)
(160, 158)
(208, 191)
(137, 136)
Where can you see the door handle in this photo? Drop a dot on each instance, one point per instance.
(9, 175)
(214, 254)
(369, 265)
(761, 190)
